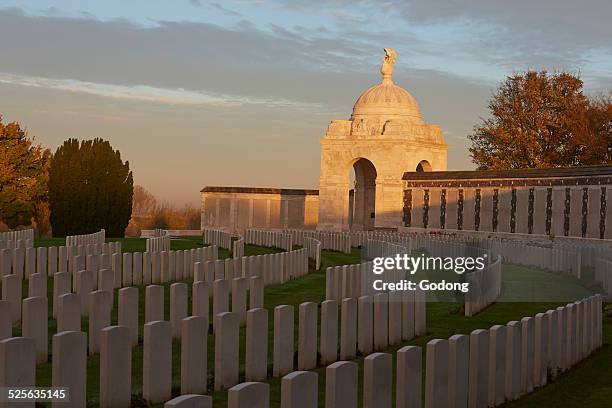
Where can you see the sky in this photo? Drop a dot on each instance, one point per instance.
(239, 92)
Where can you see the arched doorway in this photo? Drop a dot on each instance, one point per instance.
(423, 166)
(362, 204)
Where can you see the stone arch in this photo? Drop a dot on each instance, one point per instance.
(362, 206)
(423, 166)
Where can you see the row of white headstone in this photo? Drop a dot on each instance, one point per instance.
(16, 239)
(86, 239)
(269, 238)
(333, 241)
(159, 242)
(273, 268)
(220, 238)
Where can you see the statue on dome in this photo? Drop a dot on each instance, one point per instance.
(386, 69)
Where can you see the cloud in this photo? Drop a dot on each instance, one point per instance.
(145, 93)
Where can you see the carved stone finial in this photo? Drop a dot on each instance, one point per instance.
(386, 69)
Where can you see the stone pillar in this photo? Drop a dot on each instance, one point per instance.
(486, 209)
(178, 307)
(69, 312)
(154, 303)
(458, 370)
(256, 358)
(115, 367)
(348, 329)
(69, 368)
(329, 331)
(99, 318)
(157, 362)
(34, 325)
(341, 385)
(299, 389)
(307, 336)
(479, 369)
(378, 381)
(18, 365)
(283, 340)
(249, 395)
(381, 321)
(194, 362)
(200, 299)
(408, 389)
(226, 350)
(128, 311)
(497, 365)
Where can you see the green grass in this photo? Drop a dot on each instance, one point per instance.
(589, 384)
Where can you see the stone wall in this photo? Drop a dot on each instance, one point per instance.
(560, 202)
(236, 209)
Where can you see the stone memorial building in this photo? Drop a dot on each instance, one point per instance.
(399, 179)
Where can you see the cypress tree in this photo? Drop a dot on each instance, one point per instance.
(90, 188)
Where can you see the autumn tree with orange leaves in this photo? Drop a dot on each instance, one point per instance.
(542, 120)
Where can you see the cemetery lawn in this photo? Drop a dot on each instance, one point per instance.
(588, 384)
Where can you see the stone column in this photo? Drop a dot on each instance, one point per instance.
(341, 385)
(329, 331)
(249, 395)
(99, 318)
(157, 362)
(299, 390)
(256, 358)
(378, 381)
(226, 350)
(69, 368)
(115, 367)
(18, 365)
(194, 362)
(35, 325)
(178, 307)
(69, 313)
(154, 303)
(283, 340)
(128, 311)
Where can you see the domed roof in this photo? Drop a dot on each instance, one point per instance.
(386, 99)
